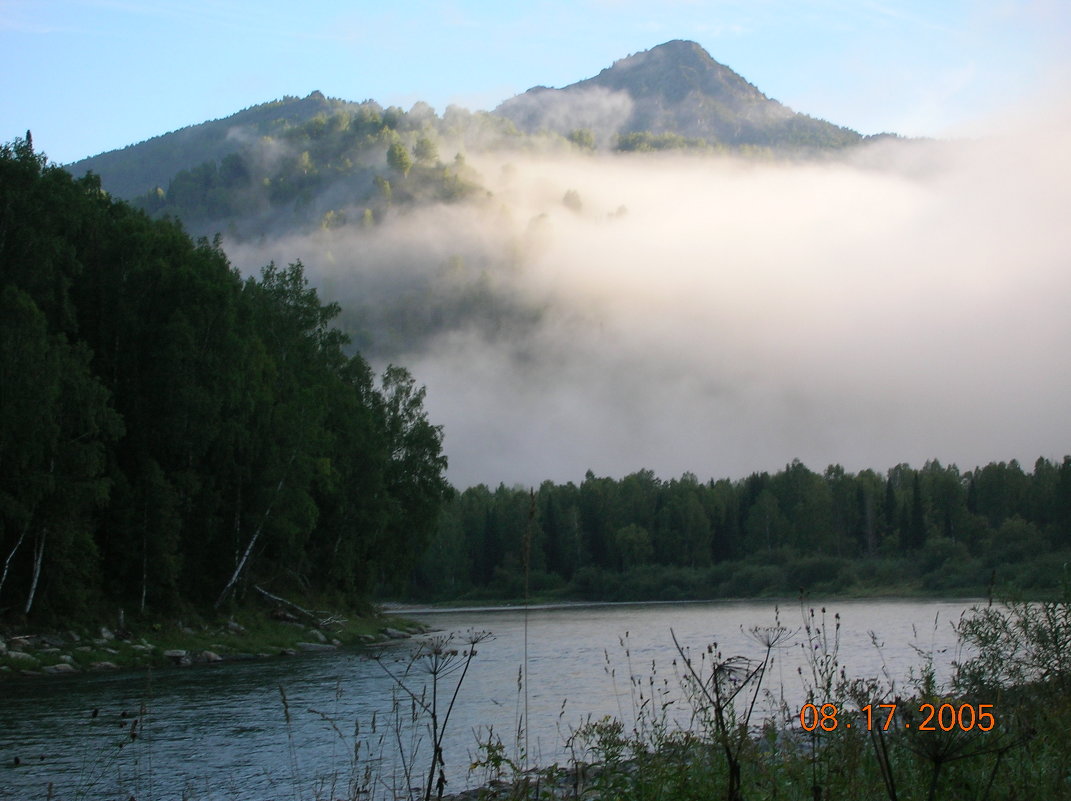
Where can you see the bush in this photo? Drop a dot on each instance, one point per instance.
(1018, 643)
(811, 573)
(750, 581)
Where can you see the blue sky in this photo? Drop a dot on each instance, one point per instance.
(88, 76)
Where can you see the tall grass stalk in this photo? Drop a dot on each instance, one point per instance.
(438, 659)
(729, 678)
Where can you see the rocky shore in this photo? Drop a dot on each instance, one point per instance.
(73, 651)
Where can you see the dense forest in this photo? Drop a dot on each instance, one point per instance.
(934, 529)
(172, 433)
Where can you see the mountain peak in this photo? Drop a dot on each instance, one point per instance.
(673, 70)
(675, 87)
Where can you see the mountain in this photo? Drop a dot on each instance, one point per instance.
(674, 88)
(344, 175)
(671, 96)
(138, 168)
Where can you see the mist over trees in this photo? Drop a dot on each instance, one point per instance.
(340, 174)
(302, 163)
(171, 432)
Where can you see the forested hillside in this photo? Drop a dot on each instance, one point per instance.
(933, 529)
(171, 432)
(347, 164)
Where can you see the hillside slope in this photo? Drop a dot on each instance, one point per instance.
(674, 88)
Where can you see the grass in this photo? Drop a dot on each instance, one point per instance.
(1017, 661)
(248, 633)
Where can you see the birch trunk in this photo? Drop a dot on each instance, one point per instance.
(10, 556)
(38, 558)
(240, 567)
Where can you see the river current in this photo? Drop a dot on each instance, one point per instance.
(319, 725)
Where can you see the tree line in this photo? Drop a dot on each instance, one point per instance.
(640, 537)
(172, 432)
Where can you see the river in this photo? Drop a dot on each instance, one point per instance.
(223, 731)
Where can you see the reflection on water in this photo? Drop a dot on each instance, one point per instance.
(221, 731)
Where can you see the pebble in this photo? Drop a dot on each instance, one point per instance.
(62, 667)
(178, 656)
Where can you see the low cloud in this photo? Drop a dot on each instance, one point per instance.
(594, 108)
(722, 316)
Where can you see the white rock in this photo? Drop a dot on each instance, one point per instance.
(62, 667)
(21, 658)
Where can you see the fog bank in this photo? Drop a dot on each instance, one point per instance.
(721, 316)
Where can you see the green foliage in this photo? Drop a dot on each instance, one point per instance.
(425, 151)
(646, 142)
(642, 538)
(583, 138)
(291, 172)
(1016, 644)
(398, 158)
(171, 433)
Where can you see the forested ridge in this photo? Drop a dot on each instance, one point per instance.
(171, 432)
(319, 162)
(347, 164)
(935, 529)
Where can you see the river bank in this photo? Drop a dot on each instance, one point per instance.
(333, 724)
(249, 635)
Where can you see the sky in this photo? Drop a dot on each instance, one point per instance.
(88, 76)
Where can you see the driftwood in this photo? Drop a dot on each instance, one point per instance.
(320, 620)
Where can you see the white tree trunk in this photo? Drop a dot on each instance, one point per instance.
(38, 558)
(240, 567)
(10, 556)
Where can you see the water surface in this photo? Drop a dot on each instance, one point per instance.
(223, 732)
